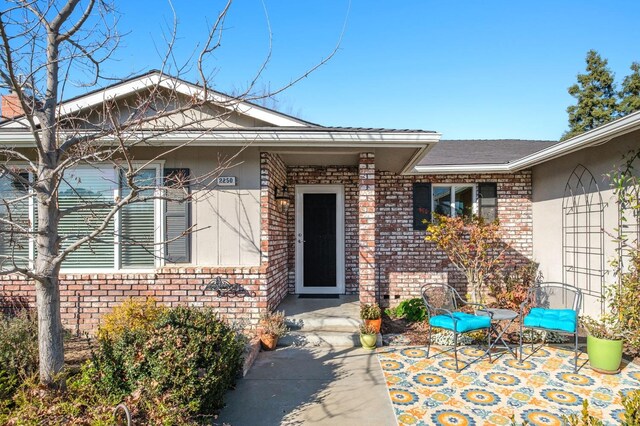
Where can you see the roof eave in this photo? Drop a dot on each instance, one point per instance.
(270, 138)
(598, 136)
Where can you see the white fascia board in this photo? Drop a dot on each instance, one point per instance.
(465, 168)
(602, 134)
(233, 104)
(267, 138)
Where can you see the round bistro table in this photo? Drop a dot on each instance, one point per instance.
(501, 319)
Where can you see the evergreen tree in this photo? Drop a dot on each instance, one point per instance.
(596, 96)
(630, 92)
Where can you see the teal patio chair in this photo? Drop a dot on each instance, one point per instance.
(443, 303)
(551, 307)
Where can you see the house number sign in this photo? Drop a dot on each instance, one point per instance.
(227, 181)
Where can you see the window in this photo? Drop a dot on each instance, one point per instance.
(91, 191)
(88, 194)
(14, 220)
(454, 200)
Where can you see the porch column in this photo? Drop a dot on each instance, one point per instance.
(367, 227)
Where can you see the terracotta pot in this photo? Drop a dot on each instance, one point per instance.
(375, 323)
(268, 342)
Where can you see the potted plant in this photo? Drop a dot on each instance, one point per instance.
(372, 315)
(271, 328)
(368, 337)
(604, 343)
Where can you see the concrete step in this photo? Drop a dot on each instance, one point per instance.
(322, 323)
(320, 338)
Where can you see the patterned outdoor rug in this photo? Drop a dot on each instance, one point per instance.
(540, 391)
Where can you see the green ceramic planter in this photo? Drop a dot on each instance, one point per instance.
(368, 341)
(604, 355)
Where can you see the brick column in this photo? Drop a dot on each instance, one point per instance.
(367, 227)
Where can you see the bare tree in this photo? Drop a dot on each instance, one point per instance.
(46, 44)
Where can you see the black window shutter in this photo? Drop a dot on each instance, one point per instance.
(421, 205)
(488, 200)
(177, 216)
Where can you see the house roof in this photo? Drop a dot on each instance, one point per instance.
(482, 151)
(600, 135)
(154, 78)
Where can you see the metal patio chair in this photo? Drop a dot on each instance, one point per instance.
(551, 307)
(443, 303)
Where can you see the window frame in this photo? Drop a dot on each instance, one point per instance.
(453, 186)
(158, 205)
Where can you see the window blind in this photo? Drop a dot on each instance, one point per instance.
(14, 245)
(88, 187)
(137, 225)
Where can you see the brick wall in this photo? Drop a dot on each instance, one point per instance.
(274, 237)
(86, 297)
(403, 260)
(367, 215)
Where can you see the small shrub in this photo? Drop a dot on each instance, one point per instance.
(83, 403)
(631, 404)
(510, 289)
(370, 311)
(412, 310)
(272, 323)
(18, 351)
(626, 307)
(603, 328)
(132, 314)
(187, 360)
(367, 329)
(584, 419)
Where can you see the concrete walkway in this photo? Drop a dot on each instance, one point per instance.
(307, 385)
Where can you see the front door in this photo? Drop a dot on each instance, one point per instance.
(319, 239)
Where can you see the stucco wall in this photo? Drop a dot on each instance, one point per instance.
(549, 182)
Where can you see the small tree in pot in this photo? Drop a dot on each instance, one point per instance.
(604, 343)
(271, 328)
(372, 315)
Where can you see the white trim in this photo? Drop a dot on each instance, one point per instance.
(268, 138)
(340, 255)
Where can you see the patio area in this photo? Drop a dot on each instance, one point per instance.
(540, 391)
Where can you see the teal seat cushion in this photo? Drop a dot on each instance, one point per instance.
(555, 319)
(464, 322)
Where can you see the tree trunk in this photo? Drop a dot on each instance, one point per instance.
(47, 270)
(50, 333)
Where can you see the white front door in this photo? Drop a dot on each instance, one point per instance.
(320, 239)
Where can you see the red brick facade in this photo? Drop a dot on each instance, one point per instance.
(367, 227)
(385, 259)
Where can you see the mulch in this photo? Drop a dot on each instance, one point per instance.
(77, 350)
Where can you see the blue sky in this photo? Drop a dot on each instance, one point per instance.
(468, 69)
